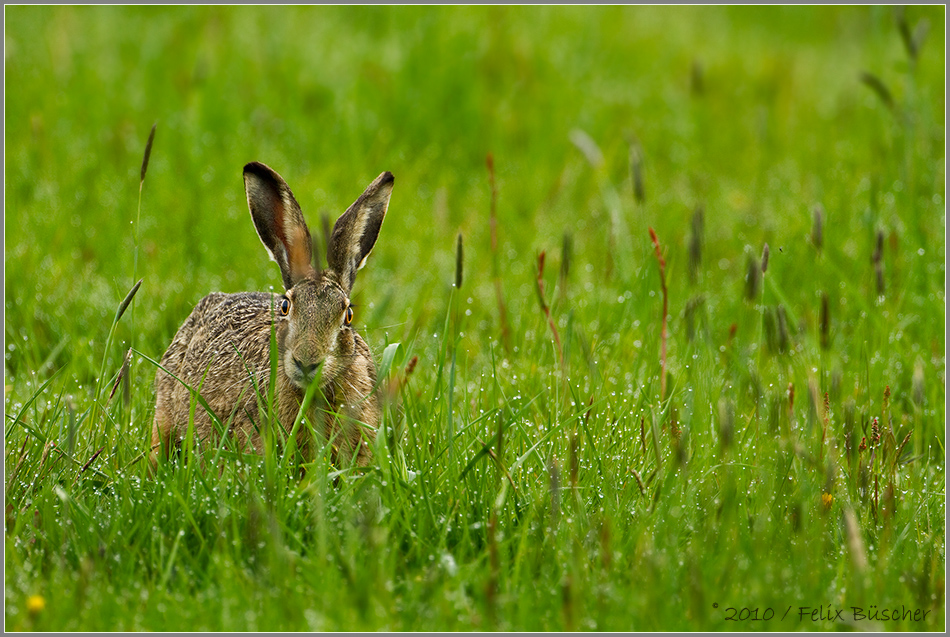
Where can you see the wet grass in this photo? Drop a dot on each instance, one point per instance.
(776, 442)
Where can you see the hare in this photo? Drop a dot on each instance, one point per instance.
(223, 350)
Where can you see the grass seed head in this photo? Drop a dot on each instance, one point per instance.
(696, 243)
(879, 88)
(148, 152)
(912, 41)
(586, 144)
(818, 228)
(782, 326)
(753, 272)
(122, 373)
(697, 83)
(411, 366)
(554, 486)
(920, 34)
(567, 253)
(539, 282)
(900, 447)
(636, 171)
(640, 485)
(878, 247)
(124, 305)
(878, 259)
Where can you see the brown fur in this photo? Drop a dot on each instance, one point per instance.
(223, 348)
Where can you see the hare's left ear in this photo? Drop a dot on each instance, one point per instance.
(279, 222)
(355, 232)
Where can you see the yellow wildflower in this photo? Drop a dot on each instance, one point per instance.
(35, 604)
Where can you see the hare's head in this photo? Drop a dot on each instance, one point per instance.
(313, 317)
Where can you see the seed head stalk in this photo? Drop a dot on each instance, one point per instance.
(138, 218)
(539, 284)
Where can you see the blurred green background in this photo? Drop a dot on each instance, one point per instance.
(756, 115)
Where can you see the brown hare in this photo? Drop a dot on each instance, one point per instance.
(223, 349)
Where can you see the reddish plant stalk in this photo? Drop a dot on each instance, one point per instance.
(662, 261)
(547, 310)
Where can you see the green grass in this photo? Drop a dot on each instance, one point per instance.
(509, 491)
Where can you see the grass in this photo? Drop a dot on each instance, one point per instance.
(791, 456)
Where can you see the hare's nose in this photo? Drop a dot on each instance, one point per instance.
(308, 370)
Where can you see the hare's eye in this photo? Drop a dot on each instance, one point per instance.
(348, 316)
(284, 306)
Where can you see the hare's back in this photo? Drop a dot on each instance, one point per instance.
(219, 312)
(222, 326)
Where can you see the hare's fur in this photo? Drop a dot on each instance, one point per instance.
(223, 350)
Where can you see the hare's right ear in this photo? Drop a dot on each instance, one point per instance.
(355, 232)
(279, 222)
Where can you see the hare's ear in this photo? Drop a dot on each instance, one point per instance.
(355, 232)
(279, 222)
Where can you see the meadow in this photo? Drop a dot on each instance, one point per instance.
(659, 303)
